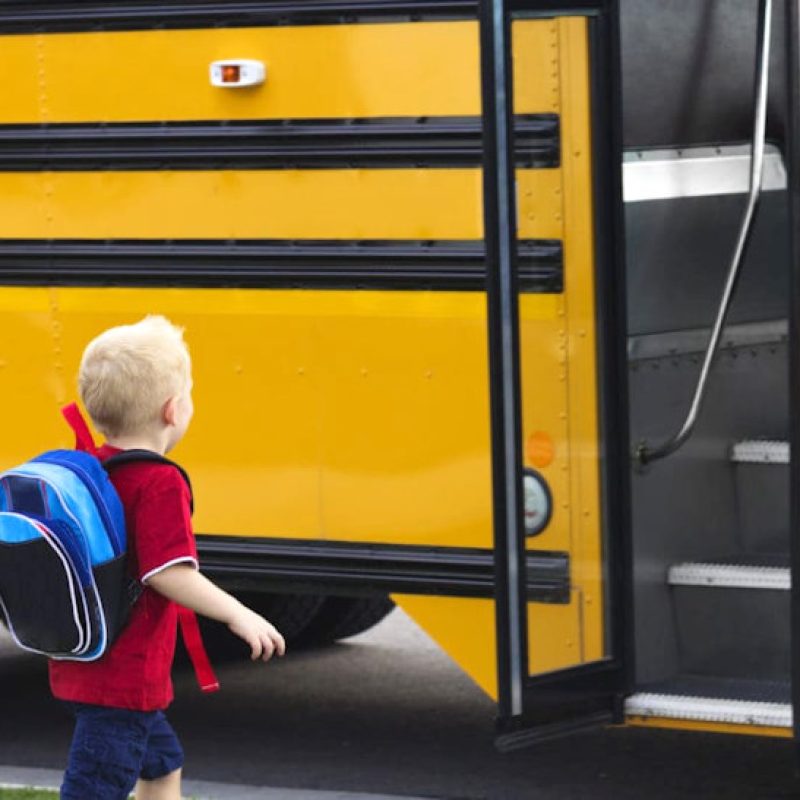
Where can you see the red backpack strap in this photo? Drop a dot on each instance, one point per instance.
(83, 436)
(197, 652)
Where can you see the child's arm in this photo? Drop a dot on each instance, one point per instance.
(188, 587)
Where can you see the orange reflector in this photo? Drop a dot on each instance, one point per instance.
(541, 449)
(230, 73)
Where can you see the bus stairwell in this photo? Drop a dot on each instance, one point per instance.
(711, 521)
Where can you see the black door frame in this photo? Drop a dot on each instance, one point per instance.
(536, 708)
(792, 156)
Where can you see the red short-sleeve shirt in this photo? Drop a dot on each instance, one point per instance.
(135, 672)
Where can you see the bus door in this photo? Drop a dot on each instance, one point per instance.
(557, 375)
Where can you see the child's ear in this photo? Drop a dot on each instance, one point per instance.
(168, 411)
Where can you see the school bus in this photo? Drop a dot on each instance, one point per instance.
(492, 308)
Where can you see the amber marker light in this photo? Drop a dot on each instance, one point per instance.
(541, 449)
(231, 73)
(237, 73)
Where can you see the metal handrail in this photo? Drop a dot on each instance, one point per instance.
(644, 453)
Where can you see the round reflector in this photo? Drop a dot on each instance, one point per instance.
(538, 501)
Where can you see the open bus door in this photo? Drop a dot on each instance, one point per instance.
(590, 692)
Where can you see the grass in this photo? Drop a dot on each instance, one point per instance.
(29, 794)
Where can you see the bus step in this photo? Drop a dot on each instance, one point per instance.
(715, 700)
(762, 494)
(760, 451)
(770, 572)
(733, 617)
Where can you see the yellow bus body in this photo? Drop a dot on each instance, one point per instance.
(350, 415)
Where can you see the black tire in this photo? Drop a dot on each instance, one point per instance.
(342, 617)
(289, 613)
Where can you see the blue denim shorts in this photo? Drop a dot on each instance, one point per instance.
(113, 747)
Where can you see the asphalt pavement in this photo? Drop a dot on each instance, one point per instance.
(389, 715)
(38, 778)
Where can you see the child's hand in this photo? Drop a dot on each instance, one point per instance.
(262, 637)
(185, 585)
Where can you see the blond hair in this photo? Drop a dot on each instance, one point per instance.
(127, 373)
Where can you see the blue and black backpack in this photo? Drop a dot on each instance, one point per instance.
(64, 587)
(65, 590)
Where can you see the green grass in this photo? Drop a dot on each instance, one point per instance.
(30, 794)
(33, 794)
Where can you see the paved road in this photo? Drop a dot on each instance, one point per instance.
(388, 713)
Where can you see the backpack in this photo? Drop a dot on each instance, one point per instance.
(65, 591)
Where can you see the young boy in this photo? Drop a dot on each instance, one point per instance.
(135, 382)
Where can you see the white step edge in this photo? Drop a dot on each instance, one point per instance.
(709, 709)
(696, 172)
(729, 576)
(760, 452)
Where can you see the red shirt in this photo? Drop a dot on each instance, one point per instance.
(135, 672)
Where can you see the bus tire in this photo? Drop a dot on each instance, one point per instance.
(289, 613)
(342, 617)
